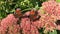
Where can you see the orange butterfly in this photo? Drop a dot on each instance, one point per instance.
(32, 12)
(34, 15)
(18, 12)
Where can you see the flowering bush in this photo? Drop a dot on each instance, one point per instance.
(47, 19)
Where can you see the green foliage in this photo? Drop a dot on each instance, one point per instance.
(57, 0)
(58, 31)
(54, 32)
(41, 30)
(8, 6)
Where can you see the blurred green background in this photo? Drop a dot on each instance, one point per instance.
(8, 6)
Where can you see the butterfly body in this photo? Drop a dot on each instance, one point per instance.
(18, 13)
(34, 15)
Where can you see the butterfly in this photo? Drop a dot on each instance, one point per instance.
(32, 12)
(18, 13)
(34, 15)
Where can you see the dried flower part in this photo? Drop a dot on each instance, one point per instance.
(0, 22)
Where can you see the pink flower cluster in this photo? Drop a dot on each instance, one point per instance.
(51, 7)
(9, 25)
(28, 27)
(49, 22)
(46, 21)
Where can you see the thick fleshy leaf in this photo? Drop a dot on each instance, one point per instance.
(54, 32)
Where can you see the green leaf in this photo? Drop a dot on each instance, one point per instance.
(54, 32)
(36, 7)
(57, 0)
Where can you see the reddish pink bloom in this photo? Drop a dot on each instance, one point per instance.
(7, 22)
(49, 6)
(58, 27)
(28, 27)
